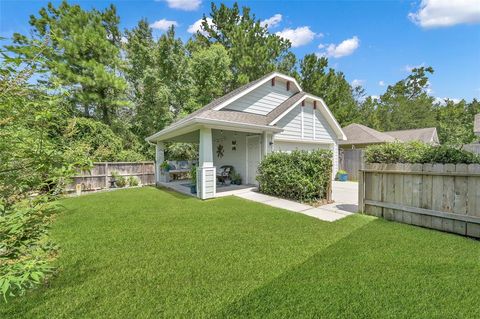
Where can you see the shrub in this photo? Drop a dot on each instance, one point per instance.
(418, 152)
(133, 181)
(25, 250)
(299, 175)
(121, 181)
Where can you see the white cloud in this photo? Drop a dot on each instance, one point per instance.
(163, 24)
(357, 83)
(272, 21)
(445, 13)
(346, 47)
(186, 5)
(298, 37)
(443, 100)
(381, 83)
(197, 25)
(409, 67)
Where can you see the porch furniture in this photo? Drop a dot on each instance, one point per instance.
(224, 173)
(180, 172)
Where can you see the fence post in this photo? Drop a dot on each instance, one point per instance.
(106, 174)
(361, 191)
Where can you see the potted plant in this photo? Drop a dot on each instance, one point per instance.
(165, 167)
(236, 179)
(342, 175)
(193, 176)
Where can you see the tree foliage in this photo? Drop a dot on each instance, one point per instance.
(253, 51)
(81, 52)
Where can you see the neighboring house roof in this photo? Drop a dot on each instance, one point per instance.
(427, 135)
(476, 124)
(214, 112)
(361, 134)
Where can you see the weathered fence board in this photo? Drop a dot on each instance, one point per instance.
(445, 197)
(351, 160)
(101, 173)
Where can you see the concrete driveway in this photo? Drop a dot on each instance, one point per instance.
(345, 195)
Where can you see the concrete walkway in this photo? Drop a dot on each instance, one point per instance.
(344, 194)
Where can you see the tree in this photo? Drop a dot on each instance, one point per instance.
(33, 168)
(406, 104)
(455, 122)
(210, 69)
(253, 50)
(331, 86)
(81, 53)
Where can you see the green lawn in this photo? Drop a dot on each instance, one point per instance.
(149, 253)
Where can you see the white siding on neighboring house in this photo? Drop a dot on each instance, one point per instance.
(263, 99)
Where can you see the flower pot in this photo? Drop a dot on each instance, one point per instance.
(228, 182)
(193, 189)
(343, 177)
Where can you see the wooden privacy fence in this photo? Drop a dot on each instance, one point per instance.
(351, 160)
(101, 173)
(440, 196)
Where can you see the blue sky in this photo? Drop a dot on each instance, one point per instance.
(373, 42)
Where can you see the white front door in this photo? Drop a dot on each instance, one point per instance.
(253, 158)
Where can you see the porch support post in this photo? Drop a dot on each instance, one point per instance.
(206, 174)
(159, 159)
(205, 149)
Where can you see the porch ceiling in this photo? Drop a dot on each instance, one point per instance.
(188, 131)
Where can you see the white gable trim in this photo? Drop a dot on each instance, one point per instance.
(329, 116)
(257, 85)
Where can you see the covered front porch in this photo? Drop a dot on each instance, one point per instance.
(237, 149)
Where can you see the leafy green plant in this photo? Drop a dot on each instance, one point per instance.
(165, 166)
(193, 175)
(299, 175)
(418, 152)
(133, 181)
(121, 181)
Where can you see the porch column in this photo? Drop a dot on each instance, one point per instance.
(206, 174)
(205, 150)
(159, 159)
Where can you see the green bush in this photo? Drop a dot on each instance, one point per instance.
(133, 181)
(299, 175)
(418, 152)
(25, 249)
(121, 181)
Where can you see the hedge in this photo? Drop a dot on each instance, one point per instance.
(418, 152)
(299, 175)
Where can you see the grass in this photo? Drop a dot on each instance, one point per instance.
(149, 253)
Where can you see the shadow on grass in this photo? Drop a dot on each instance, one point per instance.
(381, 270)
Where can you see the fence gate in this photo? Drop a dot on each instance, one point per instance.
(351, 160)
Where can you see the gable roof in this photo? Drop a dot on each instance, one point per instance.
(215, 111)
(427, 135)
(361, 134)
